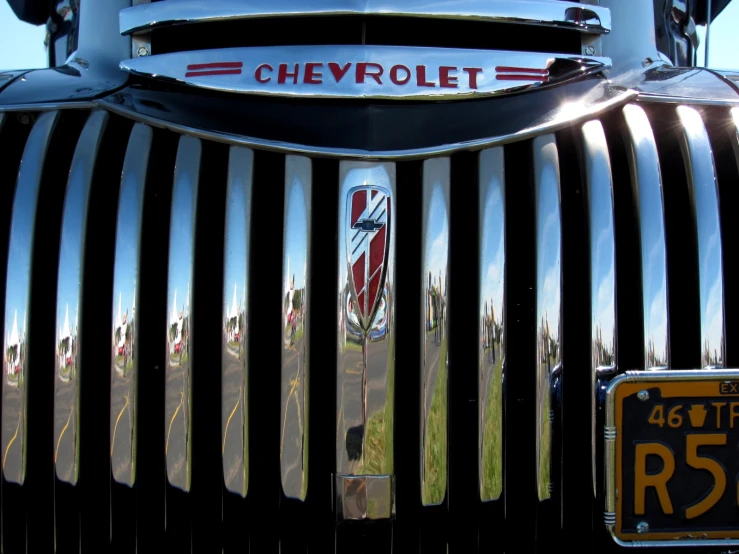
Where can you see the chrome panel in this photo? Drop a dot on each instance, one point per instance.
(572, 15)
(548, 301)
(124, 341)
(703, 191)
(646, 181)
(235, 357)
(735, 127)
(364, 71)
(601, 99)
(434, 338)
(366, 341)
(296, 264)
(70, 287)
(17, 293)
(602, 264)
(492, 322)
(177, 393)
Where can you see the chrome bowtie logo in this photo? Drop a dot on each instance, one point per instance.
(368, 234)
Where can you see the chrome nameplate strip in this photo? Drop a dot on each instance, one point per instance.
(381, 72)
(571, 15)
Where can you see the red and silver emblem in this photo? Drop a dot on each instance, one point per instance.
(368, 232)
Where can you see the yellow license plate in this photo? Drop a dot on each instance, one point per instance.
(672, 457)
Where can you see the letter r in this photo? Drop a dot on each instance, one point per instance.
(642, 479)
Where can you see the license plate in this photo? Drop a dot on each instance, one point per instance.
(672, 458)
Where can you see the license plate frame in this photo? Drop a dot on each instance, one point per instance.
(695, 384)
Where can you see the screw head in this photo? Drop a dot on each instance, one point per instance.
(590, 50)
(642, 395)
(142, 51)
(642, 527)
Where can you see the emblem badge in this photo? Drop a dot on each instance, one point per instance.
(368, 234)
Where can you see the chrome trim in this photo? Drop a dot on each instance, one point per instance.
(570, 15)
(703, 190)
(548, 300)
(735, 142)
(51, 106)
(70, 287)
(17, 293)
(235, 360)
(645, 97)
(364, 71)
(602, 238)
(125, 365)
(177, 391)
(610, 446)
(565, 115)
(491, 325)
(296, 254)
(435, 336)
(366, 338)
(646, 183)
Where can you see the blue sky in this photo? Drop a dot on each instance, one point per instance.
(22, 45)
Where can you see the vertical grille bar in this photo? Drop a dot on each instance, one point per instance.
(366, 364)
(434, 344)
(68, 343)
(126, 352)
(18, 426)
(548, 303)
(491, 354)
(646, 182)
(234, 409)
(702, 189)
(178, 394)
(295, 329)
(602, 263)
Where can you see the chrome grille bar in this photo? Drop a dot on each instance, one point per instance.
(366, 346)
(236, 343)
(17, 298)
(178, 394)
(297, 255)
(434, 339)
(492, 322)
(125, 352)
(646, 181)
(548, 301)
(571, 15)
(599, 184)
(703, 191)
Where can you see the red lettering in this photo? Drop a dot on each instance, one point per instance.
(394, 74)
(312, 77)
(282, 74)
(363, 73)
(446, 80)
(472, 72)
(337, 71)
(421, 77)
(258, 73)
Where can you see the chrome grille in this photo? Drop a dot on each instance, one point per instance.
(575, 220)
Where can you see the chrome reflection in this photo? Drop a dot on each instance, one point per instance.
(234, 366)
(124, 351)
(366, 349)
(602, 263)
(296, 333)
(177, 393)
(646, 182)
(703, 190)
(492, 320)
(434, 342)
(17, 292)
(69, 294)
(548, 301)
